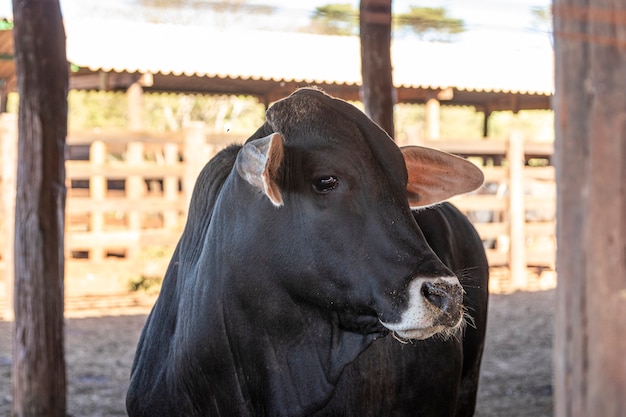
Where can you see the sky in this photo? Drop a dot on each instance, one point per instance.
(487, 21)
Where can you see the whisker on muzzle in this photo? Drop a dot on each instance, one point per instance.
(400, 338)
(468, 277)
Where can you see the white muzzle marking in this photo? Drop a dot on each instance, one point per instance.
(418, 321)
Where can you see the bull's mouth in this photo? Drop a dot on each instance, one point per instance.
(406, 334)
(365, 323)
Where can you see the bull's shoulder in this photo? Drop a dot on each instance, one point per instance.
(451, 235)
(444, 216)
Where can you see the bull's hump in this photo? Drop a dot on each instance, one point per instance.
(302, 107)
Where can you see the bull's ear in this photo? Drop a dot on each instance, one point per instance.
(259, 163)
(435, 176)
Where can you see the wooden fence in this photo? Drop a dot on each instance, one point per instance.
(514, 212)
(128, 194)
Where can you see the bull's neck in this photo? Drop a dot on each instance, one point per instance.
(280, 360)
(291, 363)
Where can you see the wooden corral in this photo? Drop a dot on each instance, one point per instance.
(128, 194)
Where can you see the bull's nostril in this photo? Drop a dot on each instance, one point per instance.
(436, 295)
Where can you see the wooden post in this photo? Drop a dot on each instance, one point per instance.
(378, 92)
(38, 371)
(193, 156)
(135, 106)
(135, 188)
(8, 141)
(517, 212)
(4, 96)
(170, 186)
(590, 160)
(432, 117)
(97, 193)
(487, 115)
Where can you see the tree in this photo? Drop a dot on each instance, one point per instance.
(335, 19)
(225, 12)
(542, 16)
(590, 148)
(39, 379)
(427, 23)
(377, 91)
(431, 23)
(542, 20)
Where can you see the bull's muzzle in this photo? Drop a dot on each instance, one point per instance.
(435, 305)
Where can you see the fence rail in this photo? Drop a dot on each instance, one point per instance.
(128, 193)
(514, 213)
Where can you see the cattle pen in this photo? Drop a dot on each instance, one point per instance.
(128, 192)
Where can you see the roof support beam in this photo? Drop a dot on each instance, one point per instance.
(432, 116)
(134, 95)
(487, 114)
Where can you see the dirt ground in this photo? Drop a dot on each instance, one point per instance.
(516, 374)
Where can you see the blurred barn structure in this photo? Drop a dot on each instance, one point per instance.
(140, 58)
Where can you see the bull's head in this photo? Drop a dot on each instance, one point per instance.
(348, 190)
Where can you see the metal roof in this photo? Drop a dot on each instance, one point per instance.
(270, 65)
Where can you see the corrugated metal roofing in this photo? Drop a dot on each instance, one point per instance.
(199, 51)
(278, 56)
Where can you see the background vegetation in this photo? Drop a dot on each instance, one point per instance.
(426, 23)
(243, 115)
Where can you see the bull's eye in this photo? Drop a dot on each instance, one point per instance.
(325, 184)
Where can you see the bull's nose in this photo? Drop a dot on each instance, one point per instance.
(436, 294)
(447, 298)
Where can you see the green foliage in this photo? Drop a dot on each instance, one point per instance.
(542, 15)
(150, 285)
(96, 109)
(460, 123)
(464, 123)
(243, 115)
(429, 23)
(336, 19)
(164, 112)
(225, 6)
(455, 122)
(542, 20)
(226, 12)
(535, 124)
(13, 102)
(6, 24)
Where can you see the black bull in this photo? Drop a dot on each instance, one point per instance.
(300, 254)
